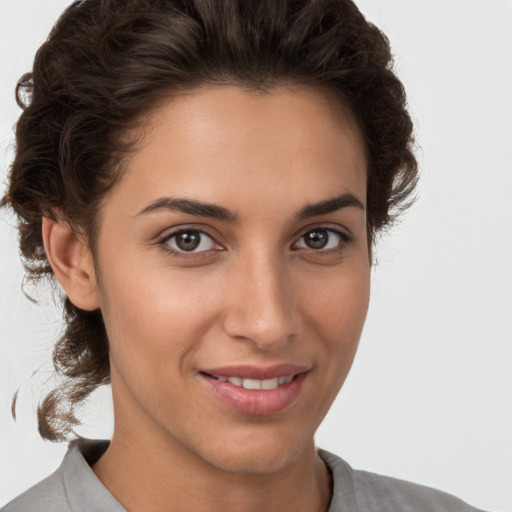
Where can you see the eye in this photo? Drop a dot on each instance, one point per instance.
(190, 240)
(321, 239)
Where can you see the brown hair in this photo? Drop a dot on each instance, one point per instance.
(106, 63)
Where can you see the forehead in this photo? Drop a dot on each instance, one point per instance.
(216, 140)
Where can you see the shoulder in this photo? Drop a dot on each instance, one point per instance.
(371, 492)
(49, 494)
(72, 487)
(377, 491)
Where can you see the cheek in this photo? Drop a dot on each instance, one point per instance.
(337, 306)
(335, 314)
(155, 326)
(155, 316)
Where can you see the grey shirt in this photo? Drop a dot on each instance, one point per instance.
(74, 487)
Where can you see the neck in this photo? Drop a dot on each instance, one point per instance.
(133, 469)
(148, 468)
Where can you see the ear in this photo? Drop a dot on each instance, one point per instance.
(72, 263)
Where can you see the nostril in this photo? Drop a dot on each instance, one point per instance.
(261, 312)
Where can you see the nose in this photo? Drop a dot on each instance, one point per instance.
(262, 307)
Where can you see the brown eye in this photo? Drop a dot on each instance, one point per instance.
(318, 239)
(190, 241)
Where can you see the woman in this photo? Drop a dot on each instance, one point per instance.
(205, 181)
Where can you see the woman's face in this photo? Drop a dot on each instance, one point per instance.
(233, 255)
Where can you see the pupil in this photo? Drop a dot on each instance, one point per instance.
(317, 239)
(188, 241)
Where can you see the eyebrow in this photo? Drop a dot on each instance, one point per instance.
(214, 211)
(345, 200)
(191, 207)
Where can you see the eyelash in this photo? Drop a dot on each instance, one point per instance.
(345, 239)
(187, 255)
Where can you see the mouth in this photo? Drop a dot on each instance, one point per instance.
(266, 384)
(256, 390)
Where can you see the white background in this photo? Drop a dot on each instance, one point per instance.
(429, 398)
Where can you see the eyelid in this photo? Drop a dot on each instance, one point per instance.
(167, 235)
(171, 231)
(344, 234)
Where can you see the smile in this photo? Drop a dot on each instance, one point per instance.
(267, 384)
(255, 390)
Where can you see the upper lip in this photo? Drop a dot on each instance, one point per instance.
(256, 372)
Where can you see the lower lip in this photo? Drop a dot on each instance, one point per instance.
(256, 401)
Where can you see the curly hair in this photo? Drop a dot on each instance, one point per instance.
(107, 63)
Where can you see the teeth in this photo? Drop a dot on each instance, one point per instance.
(236, 381)
(257, 384)
(270, 383)
(251, 384)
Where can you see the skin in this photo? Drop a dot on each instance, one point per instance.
(253, 293)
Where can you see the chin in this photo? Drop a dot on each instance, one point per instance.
(248, 463)
(260, 454)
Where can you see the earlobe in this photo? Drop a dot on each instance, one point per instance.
(72, 263)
